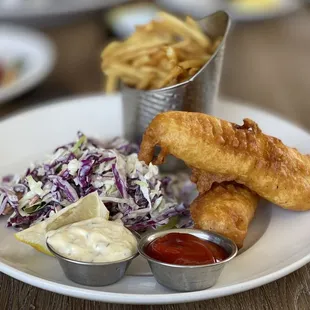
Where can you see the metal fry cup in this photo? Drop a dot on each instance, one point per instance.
(197, 94)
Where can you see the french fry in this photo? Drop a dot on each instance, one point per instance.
(111, 83)
(126, 70)
(197, 35)
(143, 84)
(159, 54)
(194, 48)
(132, 55)
(193, 63)
(184, 76)
(192, 23)
(153, 70)
(181, 44)
(157, 57)
(173, 74)
(138, 47)
(145, 59)
(132, 82)
(216, 44)
(165, 65)
(192, 71)
(113, 46)
(171, 54)
(172, 64)
(172, 82)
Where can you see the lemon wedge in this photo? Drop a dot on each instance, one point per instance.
(85, 208)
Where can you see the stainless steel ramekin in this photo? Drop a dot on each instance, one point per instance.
(193, 277)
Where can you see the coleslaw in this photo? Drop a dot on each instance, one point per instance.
(131, 190)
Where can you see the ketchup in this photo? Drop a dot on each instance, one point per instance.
(185, 249)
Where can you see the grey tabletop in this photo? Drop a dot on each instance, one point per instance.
(266, 64)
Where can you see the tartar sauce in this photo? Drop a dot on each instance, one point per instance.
(94, 240)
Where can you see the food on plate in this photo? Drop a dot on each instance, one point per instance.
(162, 53)
(85, 208)
(131, 190)
(255, 5)
(185, 249)
(226, 151)
(198, 257)
(95, 240)
(227, 209)
(9, 72)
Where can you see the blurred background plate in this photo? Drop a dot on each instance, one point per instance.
(262, 9)
(49, 12)
(30, 53)
(34, 8)
(122, 20)
(240, 10)
(197, 9)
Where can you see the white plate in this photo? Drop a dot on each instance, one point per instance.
(15, 9)
(276, 245)
(37, 52)
(206, 7)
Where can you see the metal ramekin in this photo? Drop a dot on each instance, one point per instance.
(188, 278)
(93, 274)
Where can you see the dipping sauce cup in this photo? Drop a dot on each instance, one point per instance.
(93, 274)
(188, 277)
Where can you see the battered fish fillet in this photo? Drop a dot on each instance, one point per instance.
(226, 209)
(225, 151)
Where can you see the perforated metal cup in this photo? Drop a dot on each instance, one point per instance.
(198, 94)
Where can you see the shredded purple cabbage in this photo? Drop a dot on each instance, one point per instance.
(131, 190)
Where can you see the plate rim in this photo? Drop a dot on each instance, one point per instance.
(50, 10)
(94, 95)
(131, 298)
(149, 299)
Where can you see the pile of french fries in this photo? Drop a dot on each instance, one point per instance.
(165, 52)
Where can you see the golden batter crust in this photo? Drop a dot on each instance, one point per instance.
(226, 151)
(226, 209)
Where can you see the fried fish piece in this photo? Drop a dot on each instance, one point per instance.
(228, 151)
(227, 209)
